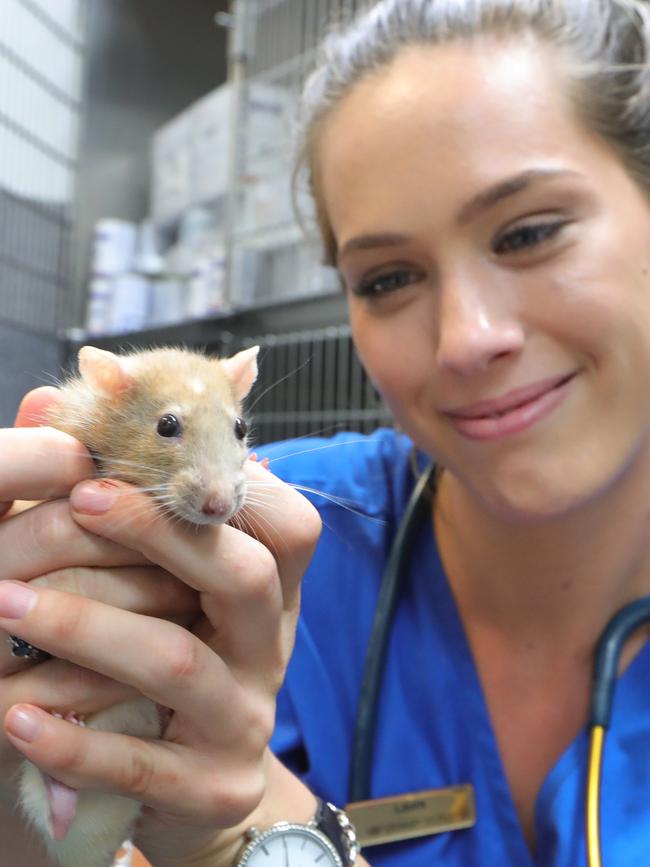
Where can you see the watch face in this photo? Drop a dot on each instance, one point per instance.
(287, 845)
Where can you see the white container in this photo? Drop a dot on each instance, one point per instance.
(207, 285)
(168, 301)
(250, 270)
(114, 244)
(99, 301)
(148, 260)
(129, 307)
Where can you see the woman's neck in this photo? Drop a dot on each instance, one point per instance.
(559, 581)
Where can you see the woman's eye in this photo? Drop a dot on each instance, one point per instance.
(525, 237)
(169, 426)
(384, 284)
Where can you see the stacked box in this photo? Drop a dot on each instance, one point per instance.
(170, 169)
(191, 153)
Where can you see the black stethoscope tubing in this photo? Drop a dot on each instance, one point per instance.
(607, 656)
(394, 574)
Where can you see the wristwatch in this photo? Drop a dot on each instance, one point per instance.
(327, 840)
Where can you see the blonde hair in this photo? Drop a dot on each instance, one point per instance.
(606, 42)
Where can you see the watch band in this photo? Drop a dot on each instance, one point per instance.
(339, 829)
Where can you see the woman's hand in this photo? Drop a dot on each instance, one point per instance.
(44, 546)
(38, 463)
(220, 679)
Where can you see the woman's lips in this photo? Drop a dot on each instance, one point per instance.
(512, 413)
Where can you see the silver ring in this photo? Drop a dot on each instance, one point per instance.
(25, 650)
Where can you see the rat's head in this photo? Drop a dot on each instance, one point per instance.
(175, 425)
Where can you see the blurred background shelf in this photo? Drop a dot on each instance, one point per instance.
(146, 193)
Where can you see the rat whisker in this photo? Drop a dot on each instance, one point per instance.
(291, 373)
(255, 515)
(261, 498)
(252, 488)
(348, 505)
(318, 449)
(49, 378)
(101, 473)
(323, 430)
(240, 522)
(124, 462)
(260, 508)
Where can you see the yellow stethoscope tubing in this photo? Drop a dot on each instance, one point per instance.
(608, 653)
(595, 764)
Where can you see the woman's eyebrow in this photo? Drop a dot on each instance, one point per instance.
(503, 189)
(481, 202)
(369, 242)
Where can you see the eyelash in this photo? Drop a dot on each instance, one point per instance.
(532, 235)
(513, 242)
(368, 288)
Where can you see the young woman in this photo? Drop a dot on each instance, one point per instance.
(481, 172)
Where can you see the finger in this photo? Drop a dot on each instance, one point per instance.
(141, 589)
(46, 538)
(236, 575)
(160, 659)
(280, 520)
(154, 773)
(243, 585)
(283, 521)
(34, 407)
(59, 686)
(40, 463)
(32, 412)
(147, 590)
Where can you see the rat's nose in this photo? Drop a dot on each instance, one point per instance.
(216, 506)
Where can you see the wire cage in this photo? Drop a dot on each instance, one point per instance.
(274, 45)
(40, 82)
(41, 58)
(311, 383)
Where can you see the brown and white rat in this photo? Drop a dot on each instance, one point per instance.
(168, 421)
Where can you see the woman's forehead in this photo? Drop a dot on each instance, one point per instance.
(466, 107)
(449, 91)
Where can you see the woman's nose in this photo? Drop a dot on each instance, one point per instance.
(475, 329)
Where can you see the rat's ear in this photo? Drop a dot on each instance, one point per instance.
(242, 370)
(104, 372)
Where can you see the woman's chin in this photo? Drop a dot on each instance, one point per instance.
(532, 498)
(529, 510)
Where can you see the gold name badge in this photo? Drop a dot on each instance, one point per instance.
(417, 814)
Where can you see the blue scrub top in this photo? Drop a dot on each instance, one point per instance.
(433, 728)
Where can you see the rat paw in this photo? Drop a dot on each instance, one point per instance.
(76, 718)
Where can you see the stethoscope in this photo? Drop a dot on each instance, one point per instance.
(608, 652)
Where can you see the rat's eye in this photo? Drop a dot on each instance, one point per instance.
(169, 426)
(240, 428)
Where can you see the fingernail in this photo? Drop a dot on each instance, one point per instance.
(16, 600)
(24, 724)
(93, 498)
